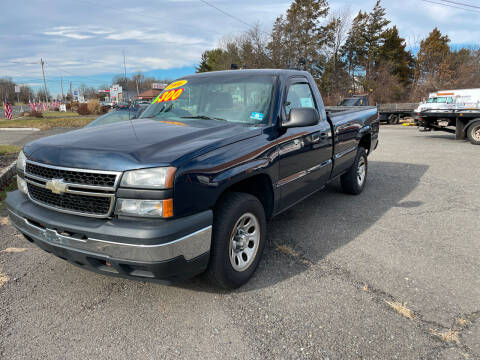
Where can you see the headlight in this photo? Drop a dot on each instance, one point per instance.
(154, 178)
(21, 161)
(22, 185)
(148, 208)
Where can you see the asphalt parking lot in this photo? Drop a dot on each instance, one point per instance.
(21, 137)
(390, 274)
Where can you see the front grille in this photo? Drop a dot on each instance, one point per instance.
(72, 176)
(78, 203)
(83, 192)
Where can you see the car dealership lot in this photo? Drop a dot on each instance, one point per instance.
(392, 273)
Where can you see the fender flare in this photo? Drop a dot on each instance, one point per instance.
(470, 123)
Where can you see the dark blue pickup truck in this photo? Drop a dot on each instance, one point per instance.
(188, 187)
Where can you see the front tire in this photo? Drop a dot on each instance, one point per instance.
(239, 233)
(353, 182)
(473, 133)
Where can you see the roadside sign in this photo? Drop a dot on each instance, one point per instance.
(17, 88)
(159, 86)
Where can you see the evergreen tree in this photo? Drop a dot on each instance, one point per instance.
(300, 34)
(374, 37)
(355, 48)
(210, 61)
(431, 61)
(433, 50)
(393, 52)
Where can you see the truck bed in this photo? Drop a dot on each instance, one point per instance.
(401, 107)
(338, 110)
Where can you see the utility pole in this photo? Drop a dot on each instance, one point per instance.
(71, 97)
(61, 83)
(44, 82)
(125, 70)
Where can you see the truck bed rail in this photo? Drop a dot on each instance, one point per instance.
(397, 107)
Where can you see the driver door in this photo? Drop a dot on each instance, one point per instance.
(304, 152)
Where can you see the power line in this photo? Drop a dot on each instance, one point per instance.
(226, 13)
(458, 3)
(451, 6)
(69, 73)
(239, 20)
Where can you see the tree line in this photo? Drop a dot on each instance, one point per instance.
(345, 56)
(133, 83)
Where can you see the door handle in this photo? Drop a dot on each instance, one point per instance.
(325, 135)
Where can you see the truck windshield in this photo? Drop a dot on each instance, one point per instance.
(244, 100)
(349, 102)
(440, 100)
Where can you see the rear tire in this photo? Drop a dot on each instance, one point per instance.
(473, 133)
(239, 234)
(393, 119)
(353, 182)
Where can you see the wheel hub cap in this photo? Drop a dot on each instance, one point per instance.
(244, 242)
(361, 171)
(476, 134)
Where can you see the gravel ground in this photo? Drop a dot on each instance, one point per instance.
(6, 160)
(390, 274)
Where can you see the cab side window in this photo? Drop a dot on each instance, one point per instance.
(299, 96)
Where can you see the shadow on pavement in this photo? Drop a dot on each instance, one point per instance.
(326, 221)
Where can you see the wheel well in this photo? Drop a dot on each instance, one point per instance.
(470, 123)
(366, 142)
(259, 186)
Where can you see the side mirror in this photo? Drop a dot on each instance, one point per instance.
(302, 117)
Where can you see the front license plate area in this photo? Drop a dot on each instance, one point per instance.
(50, 236)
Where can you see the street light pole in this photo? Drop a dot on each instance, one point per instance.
(44, 82)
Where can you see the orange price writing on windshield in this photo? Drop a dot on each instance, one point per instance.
(171, 95)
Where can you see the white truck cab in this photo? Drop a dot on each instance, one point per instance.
(446, 100)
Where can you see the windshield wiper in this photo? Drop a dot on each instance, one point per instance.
(203, 117)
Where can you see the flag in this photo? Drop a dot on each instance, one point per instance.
(31, 104)
(7, 109)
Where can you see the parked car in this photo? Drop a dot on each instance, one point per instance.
(189, 186)
(121, 105)
(108, 104)
(119, 115)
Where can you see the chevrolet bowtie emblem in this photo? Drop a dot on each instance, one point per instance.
(57, 186)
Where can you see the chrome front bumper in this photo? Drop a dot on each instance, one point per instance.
(189, 246)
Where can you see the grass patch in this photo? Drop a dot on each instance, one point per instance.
(58, 114)
(48, 122)
(287, 250)
(9, 149)
(401, 309)
(12, 250)
(446, 336)
(3, 278)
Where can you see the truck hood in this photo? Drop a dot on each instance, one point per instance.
(136, 144)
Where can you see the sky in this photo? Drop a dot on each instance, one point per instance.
(83, 41)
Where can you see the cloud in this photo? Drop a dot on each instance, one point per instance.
(89, 40)
(153, 36)
(78, 33)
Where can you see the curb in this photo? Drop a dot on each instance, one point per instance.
(8, 174)
(19, 129)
